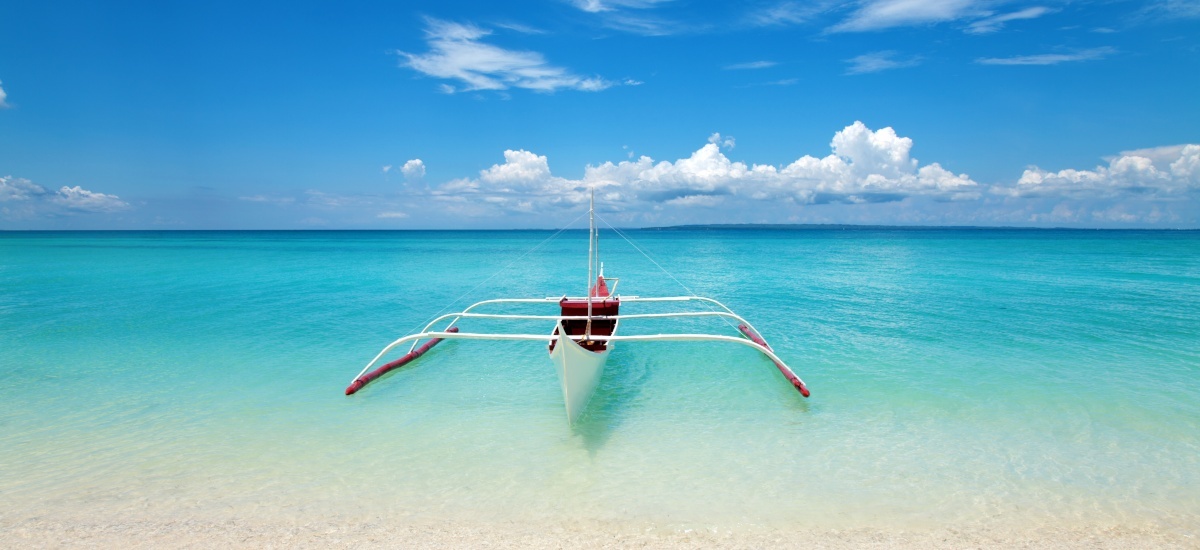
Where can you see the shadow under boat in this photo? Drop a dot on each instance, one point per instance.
(609, 408)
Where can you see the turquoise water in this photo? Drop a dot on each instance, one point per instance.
(960, 377)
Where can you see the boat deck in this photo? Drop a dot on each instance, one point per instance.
(600, 327)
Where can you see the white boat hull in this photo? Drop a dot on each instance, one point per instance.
(579, 372)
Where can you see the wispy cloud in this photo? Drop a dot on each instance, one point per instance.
(786, 13)
(750, 65)
(518, 27)
(1176, 9)
(996, 22)
(315, 199)
(1050, 58)
(456, 52)
(634, 17)
(272, 200)
(646, 25)
(781, 82)
(884, 14)
(3, 98)
(600, 6)
(879, 61)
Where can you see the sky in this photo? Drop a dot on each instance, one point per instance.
(465, 114)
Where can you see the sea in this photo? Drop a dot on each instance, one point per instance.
(961, 377)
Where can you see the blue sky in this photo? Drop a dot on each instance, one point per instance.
(451, 114)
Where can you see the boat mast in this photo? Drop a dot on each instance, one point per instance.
(587, 332)
(599, 266)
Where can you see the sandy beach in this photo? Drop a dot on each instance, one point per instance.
(380, 532)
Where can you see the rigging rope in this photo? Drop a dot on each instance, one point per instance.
(664, 270)
(493, 275)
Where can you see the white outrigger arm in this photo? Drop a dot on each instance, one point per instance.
(451, 331)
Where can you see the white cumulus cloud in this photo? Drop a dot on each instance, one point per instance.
(413, 169)
(874, 165)
(30, 199)
(521, 169)
(522, 184)
(81, 200)
(727, 141)
(865, 166)
(1147, 173)
(19, 189)
(457, 52)
(867, 176)
(3, 98)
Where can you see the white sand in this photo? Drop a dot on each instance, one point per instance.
(98, 532)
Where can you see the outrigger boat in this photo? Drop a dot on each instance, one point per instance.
(584, 332)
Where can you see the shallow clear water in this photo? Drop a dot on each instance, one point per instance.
(959, 377)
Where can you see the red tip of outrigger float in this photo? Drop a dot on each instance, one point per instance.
(800, 386)
(787, 373)
(408, 357)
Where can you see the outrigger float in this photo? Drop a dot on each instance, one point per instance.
(585, 331)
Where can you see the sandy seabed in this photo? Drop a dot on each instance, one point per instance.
(46, 532)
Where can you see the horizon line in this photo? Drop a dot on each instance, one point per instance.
(747, 226)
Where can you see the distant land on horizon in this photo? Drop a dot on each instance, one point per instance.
(685, 227)
(795, 226)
